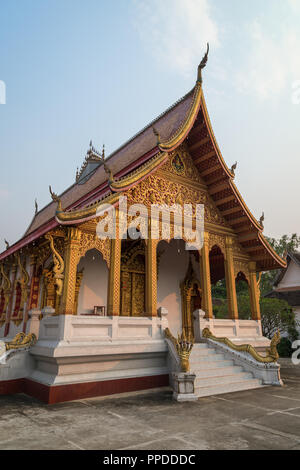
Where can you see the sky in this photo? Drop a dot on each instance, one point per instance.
(77, 70)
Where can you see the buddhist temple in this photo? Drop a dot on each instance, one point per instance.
(95, 316)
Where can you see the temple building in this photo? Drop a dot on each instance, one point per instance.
(287, 284)
(105, 313)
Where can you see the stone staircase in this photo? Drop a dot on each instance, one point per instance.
(215, 374)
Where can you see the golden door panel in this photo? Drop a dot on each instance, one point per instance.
(138, 294)
(126, 288)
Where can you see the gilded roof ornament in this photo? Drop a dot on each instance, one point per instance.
(56, 199)
(233, 168)
(261, 219)
(157, 134)
(92, 155)
(202, 65)
(106, 167)
(59, 265)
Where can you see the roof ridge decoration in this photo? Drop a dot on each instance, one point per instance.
(191, 116)
(137, 175)
(82, 215)
(56, 198)
(202, 65)
(92, 154)
(106, 167)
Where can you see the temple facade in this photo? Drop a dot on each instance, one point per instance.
(99, 307)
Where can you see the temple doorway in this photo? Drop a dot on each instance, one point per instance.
(133, 278)
(191, 295)
(173, 261)
(91, 284)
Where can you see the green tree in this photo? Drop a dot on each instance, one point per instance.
(277, 315)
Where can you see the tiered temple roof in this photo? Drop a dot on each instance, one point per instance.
(186, 121)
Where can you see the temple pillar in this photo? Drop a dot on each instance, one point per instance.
(205, 278)
(254, 292)
(79, 277)
(11, 299)
(72, 244)
(151, 276)
(114, 277)
(230, 281)
(33, 290)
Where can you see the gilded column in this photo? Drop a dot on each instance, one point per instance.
(151, 277)
(6, 286)
(72, 244)
(114, 279)
(254, 292)
(33, 289)
(230, 281)
(11, 300)
(205, 278)
(79, 277)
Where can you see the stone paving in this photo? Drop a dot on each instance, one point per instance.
(266, 418)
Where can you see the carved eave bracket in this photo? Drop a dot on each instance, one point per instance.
(56, 199)
(23, 280)
(59, 265)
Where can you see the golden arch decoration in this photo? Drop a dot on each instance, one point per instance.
(89, 241)
(241, 267)
(217, 240)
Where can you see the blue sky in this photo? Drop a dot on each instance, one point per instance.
(101, 70)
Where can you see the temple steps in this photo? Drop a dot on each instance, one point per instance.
(216, 375)
(225, 379)
(227, 388)
(217, 372)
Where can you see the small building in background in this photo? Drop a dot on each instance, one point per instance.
(287, 284)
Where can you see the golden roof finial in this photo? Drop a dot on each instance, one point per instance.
(106, 167)
(202, 65)
(157, 134)
(261, 219)
(233, 168)
(56, 199)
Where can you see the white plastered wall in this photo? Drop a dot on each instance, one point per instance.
(93, 289)
(172, 271)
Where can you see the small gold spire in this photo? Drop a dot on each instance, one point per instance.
(157, 134)
(261, 219)
(106, 167)
(233, 168)
(56, 199)
(202, 65)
